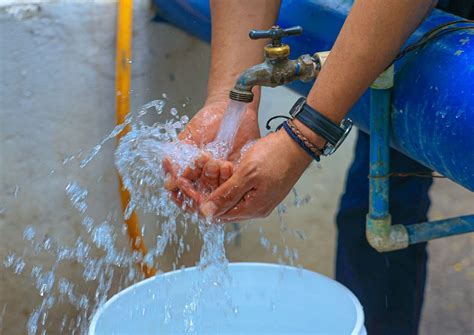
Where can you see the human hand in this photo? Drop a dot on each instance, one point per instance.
(189, 190)
(206, 173)
(263, 178)
(203, 127)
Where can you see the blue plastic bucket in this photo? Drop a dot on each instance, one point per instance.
(270, 299)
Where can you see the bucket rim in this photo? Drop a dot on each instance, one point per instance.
(358, 326)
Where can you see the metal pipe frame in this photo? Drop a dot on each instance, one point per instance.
(381, 234)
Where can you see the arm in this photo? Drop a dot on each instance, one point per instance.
(231, 53)
(370, 39)
(372, 35)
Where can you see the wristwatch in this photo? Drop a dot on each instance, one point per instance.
(333, 134)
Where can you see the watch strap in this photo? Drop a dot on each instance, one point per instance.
(319, 123)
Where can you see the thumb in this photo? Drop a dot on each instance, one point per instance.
(226, 196)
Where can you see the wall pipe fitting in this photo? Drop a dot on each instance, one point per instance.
(380, 233)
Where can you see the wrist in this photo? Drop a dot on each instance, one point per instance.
(299, 154)
(313, 137)
(326, 107)
(217, 98)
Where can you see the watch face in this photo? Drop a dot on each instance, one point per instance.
(297, 107)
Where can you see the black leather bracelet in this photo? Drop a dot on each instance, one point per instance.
(330, 132)
(318, 123)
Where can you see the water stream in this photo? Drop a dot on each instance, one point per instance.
(101, 257)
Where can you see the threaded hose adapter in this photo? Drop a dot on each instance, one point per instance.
(242, 96)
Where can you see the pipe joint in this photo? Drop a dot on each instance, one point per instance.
(382, 236)
(385, 80)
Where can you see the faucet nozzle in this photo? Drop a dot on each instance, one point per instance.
(243, 96)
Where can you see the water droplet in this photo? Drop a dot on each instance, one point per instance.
(19, 266)
(16, 191)
(184, 119)
(29, 233)
(9, 260)
(77, 195)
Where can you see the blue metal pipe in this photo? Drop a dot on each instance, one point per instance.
(432, 112)
(426, 231)
(380, 233)
(379, 150)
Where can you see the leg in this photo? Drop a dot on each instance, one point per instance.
(389, 285)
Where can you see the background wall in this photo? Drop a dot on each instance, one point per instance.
(57, 98)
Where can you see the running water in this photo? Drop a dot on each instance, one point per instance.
(225, 138)
(138, 158)
(140, 154)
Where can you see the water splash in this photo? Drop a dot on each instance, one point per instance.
(139, 160)
(100, 257)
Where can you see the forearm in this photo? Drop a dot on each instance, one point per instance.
(232, 51)
(371, 37)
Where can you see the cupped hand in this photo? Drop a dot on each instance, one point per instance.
(203, 127)
(263, 178)
(207, 174)
(189, 190)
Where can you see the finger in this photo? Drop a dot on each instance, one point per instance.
(244, 210)
(183, 202)
(226, 196)
(210, 174)
(189, 191)
(194, 172)
(169, 167)
(177, 198)
(225, 172)
(171, 183)
(171, 174)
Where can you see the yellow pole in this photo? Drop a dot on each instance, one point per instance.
(122, 99)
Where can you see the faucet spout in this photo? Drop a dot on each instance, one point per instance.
(271, 73)
(259, 74)
(277, 69)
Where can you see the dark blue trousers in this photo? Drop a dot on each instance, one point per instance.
(390, 285)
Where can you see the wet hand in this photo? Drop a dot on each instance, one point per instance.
(189, 190)
(263, 178)
(203, 127)
(207, 174)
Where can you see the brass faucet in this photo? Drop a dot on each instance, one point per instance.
(277, 69)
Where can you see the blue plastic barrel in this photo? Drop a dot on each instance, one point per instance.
(433, 99)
